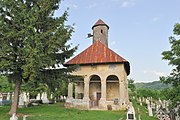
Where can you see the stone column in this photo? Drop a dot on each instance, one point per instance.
(121, 90)
(86, 94)
(86, 89)
(126, 87)
(102, 101)
(103, 91)
(70, 90)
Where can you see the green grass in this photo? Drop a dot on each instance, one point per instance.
(58, 112)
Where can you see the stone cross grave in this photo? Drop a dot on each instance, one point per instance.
(130, 113)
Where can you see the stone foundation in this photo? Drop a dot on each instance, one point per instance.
(85, 105)
(77, 103)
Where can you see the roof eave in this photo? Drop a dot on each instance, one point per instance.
(126, 65)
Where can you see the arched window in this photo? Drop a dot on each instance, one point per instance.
(95, 78)
(112, 77)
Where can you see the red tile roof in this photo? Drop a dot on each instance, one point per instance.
(97, 53)
(100, 22)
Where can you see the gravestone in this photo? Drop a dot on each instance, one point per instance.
(25, 97)
(44, 98)
(160, 101)
(140, 102)
(21, 100)
(153, 105)
(177, 111)
(150, 110)
(64, 97)
(147, 101)
(139, 114)
(12, 97)
(51, 96)
(162, 115)
(130, 113)
(164, 104)
(38, 97)
(1, 99)
(61, 98)
(167, 105)
(14, 117)
(24, 117)
(143, 99)
(8, 96)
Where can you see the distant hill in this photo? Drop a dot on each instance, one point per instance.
(156, 85)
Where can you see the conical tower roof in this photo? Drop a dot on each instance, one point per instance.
(100, 22)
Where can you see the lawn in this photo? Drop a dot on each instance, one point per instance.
(58, 112)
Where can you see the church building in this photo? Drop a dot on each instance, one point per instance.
(104, 85)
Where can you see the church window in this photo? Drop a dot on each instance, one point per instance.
(101, 31)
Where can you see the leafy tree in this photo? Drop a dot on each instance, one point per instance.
(155, 94)
(131, 85)
(173, 94)
(34, 87)
(132, 89)
(173, 56)
(6, 86)
(32, 39)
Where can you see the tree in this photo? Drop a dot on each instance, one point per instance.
(131, 85)
(6, 86)
(132, 88)
(32, 39)
(142, 92)
(173, 56)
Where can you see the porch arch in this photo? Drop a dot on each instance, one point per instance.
(94, 90)
(112, 87)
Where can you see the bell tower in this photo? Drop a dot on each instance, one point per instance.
(100, 32)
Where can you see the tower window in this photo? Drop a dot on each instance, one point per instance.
(101, 31)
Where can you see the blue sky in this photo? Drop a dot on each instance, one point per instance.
(139, 30)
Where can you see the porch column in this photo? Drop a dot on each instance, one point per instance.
(70, 90)
(86, 89)
(102, 101)
(103, 91)
(121, 90)
(126, 93)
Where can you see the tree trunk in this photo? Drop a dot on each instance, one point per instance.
(16, 97)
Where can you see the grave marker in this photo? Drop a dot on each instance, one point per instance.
(131, 112)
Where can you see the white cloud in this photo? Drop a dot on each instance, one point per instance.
(154, 72)
(72, 6)
(127, 3)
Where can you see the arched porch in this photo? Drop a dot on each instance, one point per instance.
(94, 90)
(112, 88)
